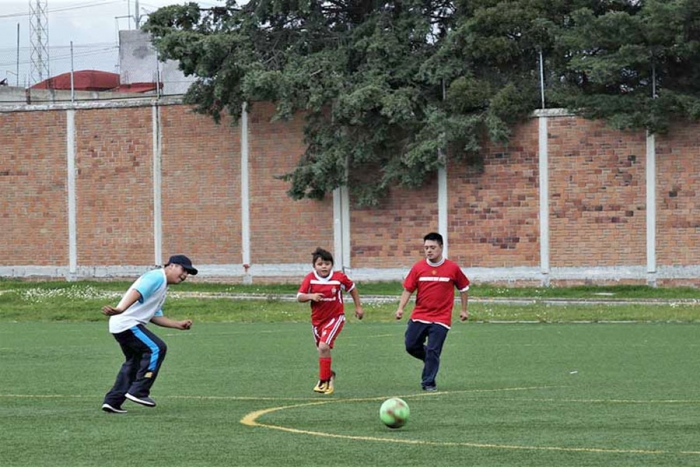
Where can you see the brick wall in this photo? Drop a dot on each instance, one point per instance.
(282, 230)
(678, 196)
(494, 204)
(33, 205)
(597, 196)
(390, 236)
(114, 195)
(201, 186)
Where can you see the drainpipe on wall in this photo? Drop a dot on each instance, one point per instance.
(245, 198)
(72, 201)
(442, 204)
(442, 193)
(651, 209)
(157, 186)
(341, 224)
(544, 201)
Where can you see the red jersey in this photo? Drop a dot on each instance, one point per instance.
(435, 284)
(332, 288)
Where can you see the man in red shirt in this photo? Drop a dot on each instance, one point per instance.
(435, 278)
(324, 288)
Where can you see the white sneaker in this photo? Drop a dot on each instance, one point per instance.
(110, 409)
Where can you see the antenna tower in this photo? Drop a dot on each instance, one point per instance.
(39, 37)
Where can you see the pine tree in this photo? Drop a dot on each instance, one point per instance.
(392, 90)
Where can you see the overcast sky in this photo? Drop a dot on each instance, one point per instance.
(92, 26)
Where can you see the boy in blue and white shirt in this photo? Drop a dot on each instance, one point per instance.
(144, 351)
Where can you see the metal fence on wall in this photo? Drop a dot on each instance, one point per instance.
(15, 64)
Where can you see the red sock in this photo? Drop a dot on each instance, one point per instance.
(324, 366)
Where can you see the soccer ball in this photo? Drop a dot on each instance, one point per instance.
(394, 412)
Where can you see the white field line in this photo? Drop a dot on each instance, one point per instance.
(251, 419)
(395, 299)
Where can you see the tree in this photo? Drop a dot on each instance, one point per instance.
(392, 90)
(637, 66)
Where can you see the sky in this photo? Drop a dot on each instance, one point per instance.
(91, 25)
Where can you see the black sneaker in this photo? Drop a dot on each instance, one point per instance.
(111, 409)
(147, 401)
(430, 388)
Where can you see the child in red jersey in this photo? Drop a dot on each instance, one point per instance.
(435, 278)
(324, 289)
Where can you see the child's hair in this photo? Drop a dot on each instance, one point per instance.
(323, 254)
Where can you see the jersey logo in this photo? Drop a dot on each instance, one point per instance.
(334, 290)
(148, 375)
(434, 272)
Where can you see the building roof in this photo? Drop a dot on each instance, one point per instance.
(84, 80)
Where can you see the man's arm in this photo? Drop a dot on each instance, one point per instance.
(164, 322)
(464, 298)
(129, 299)
(403, 301)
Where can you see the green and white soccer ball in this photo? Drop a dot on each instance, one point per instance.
(394, 412)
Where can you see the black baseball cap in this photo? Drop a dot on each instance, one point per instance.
(185, 262)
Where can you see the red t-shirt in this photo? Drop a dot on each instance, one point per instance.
(332, 288)
(435, 284)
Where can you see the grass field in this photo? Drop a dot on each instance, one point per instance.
(61, 301)
(239, 394)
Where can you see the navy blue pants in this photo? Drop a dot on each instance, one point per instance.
(416, 335)
(144, 352)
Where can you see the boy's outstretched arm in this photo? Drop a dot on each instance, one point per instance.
(164, 322)
(359, 312)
